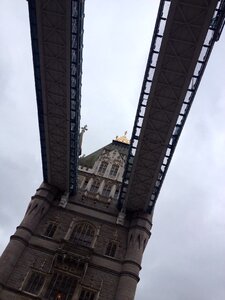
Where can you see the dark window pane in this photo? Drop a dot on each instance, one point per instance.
(87, 295)
(34, 283)
(114, 170)
(111, 249)
(61, 287)
(106, 190)
(102, 168)
(50, 230)
(117, 192)
(95, 186)
(85, 183)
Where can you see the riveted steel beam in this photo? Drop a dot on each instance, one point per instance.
(57, 35)
(184, 43)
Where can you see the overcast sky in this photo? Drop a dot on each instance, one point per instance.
(185, 257)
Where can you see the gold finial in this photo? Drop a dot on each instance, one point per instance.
(123, 138)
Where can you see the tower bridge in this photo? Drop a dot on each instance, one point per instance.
(174, 70)
(82, 245)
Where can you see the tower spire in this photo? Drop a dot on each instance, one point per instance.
(83, 129)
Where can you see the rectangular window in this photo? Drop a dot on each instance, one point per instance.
(34, 283)
(94, 187)
(102, 168)
(85, 183)
(87, 295)
(111, 249)
(50, 230)
(117, 192)
(61, 287)
(114, 170)
(106, 190)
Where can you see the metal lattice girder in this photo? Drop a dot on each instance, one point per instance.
(57, 34)
(182, 42)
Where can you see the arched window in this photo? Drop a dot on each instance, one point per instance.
(114, 170)
(106, 190)
(83, 234)
(102, 168)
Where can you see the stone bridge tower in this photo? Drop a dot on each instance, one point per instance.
(80, 249)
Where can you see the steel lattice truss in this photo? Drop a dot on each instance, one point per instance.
(57, 34)
(184, 35)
